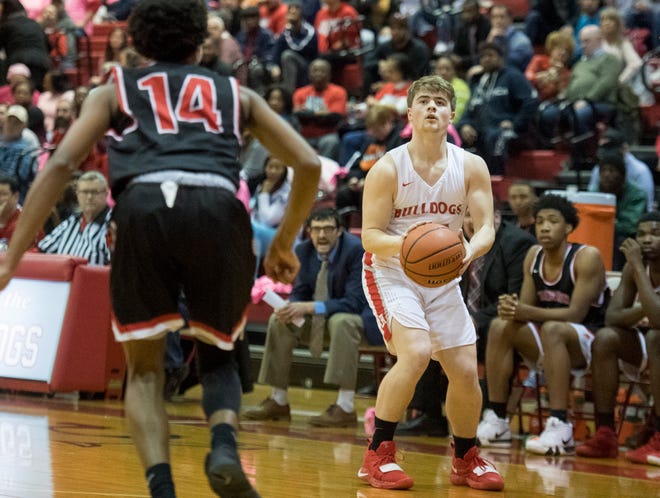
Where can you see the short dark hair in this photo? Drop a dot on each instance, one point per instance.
(561, 204)
(11, 181)
(491, 46)
(325, 213)
(168, 30)
(650, 216)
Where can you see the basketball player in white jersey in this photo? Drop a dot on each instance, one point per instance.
(426, 180)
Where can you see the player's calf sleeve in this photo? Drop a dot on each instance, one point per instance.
(218, 375)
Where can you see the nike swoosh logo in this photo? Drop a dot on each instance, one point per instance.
(497, 436)
(362, 474)
(405, 184)
(567, 442)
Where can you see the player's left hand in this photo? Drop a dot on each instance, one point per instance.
(468, 253)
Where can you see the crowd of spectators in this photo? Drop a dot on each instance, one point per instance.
(565, 75)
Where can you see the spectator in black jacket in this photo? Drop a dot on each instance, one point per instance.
(257, 46)
(294, 49)
(473, 29)
(500, 111)
(403, 42)
(23, 40)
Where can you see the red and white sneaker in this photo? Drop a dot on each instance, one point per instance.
(647, 454)
(380, 469)
(475, 472)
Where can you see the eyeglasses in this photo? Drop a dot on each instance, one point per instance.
(326, 230)
(91, 192)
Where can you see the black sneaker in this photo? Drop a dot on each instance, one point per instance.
(226, 476)
(424, 426)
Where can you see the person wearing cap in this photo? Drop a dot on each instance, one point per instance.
(637, 172)
(295, 49)
(500, 111)
(16, 73)
(631, 201)
(18, 156)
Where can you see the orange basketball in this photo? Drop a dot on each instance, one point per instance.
(431, 254)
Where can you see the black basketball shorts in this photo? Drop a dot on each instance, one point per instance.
(202, 246)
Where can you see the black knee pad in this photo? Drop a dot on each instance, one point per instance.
(218, 374)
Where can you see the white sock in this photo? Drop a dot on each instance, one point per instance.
(280, 396)
(345, 400)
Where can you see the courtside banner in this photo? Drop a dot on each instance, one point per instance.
(31, 316)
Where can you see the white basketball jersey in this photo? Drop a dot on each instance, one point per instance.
(444, 202)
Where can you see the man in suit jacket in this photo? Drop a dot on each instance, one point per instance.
(341, 311)
(501, 272)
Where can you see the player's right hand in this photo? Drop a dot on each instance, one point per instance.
(632, 251)
(281, 265)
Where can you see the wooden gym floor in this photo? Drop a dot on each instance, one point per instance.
(64, 447)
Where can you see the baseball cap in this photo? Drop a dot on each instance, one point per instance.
(18, 69)
(19, 112)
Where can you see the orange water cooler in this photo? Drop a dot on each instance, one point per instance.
(597, 213)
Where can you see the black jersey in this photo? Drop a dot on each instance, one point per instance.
(173, 116)
(558, 294)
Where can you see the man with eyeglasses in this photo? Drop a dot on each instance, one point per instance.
(84, 232)
(334, 310)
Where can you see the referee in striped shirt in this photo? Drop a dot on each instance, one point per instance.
(83, 233)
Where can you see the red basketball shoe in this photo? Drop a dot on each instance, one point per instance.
(380, 469)
(647, 454)
(604, 444)
(475, 472)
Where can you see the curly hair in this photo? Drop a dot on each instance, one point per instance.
(168, 30)
(558, 203)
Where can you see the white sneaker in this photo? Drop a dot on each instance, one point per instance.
(494, 431)
(555, 440)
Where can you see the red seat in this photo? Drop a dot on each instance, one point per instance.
(536, 164)
(103, 29)
(519, 8)
(500, 186)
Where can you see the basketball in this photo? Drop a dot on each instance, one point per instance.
(431, 254)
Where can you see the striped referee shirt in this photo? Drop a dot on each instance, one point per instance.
(72, 238)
